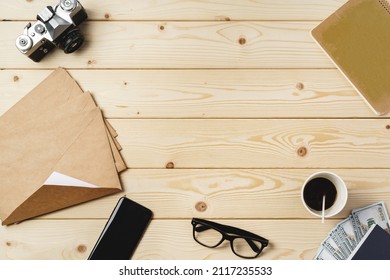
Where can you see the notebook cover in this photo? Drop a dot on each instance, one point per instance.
(375, 245)
(357, 38)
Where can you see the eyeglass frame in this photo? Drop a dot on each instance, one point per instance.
(230, 233)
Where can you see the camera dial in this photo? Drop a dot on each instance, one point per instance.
(24, 43)
(39, 28)
(68, 5)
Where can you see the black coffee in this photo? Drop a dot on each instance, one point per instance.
(314, 191)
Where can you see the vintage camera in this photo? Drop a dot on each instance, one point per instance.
(56, 26)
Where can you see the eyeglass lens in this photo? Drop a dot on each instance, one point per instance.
(247, 248)
(207, 236)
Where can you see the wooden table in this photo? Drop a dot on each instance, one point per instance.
(223, 109)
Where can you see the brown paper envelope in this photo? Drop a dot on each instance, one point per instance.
(58, 88)
(114, 144)
(111, 129)
(89, 160)
(117, 145)
(78, 104)
(119, 162)
(31, 151)
(55, 90)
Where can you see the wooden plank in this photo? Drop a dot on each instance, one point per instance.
(205, 93)
(250, 143)
(179, 45)
(239, 194)
(164, 239)
(184, 9)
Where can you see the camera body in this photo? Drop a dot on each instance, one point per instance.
(56, 26)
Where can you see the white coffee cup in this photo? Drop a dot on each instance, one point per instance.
(341, 196)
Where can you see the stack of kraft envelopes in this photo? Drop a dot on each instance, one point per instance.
(57, 150)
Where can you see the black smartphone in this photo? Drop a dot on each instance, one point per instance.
(122, 232)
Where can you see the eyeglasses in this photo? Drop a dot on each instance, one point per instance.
(243, 243)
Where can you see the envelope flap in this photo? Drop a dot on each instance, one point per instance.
(50, 198)
(89, 158)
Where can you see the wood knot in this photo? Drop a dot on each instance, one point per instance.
(302, 151)
(107, 16)
(16, 78)
(161, 27)
(300, 86)
(8, 243)
(242, 41)
(388, 126)
(222, 18)
(170, 165)
(201, 206)
(81, 248)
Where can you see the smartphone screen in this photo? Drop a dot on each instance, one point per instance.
(122, 232)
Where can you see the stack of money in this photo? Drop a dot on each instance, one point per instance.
(345, 237)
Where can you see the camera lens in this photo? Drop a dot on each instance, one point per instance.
(72, 41)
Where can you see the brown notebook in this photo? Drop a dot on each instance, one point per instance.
(357, 39)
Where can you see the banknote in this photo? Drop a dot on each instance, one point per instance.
(343, 243)
(324, 254)
(370, 215)
(346, 233)
(334, 248)
(356, 228)
(340, 244)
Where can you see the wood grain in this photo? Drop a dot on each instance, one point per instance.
(143, 94)
(184, 9)
(164, 239)
(180, 45)
(223, 109)
(250, 143)
(226, 194)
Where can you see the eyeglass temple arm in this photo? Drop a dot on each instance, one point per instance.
(253, 246)
(239, 231)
